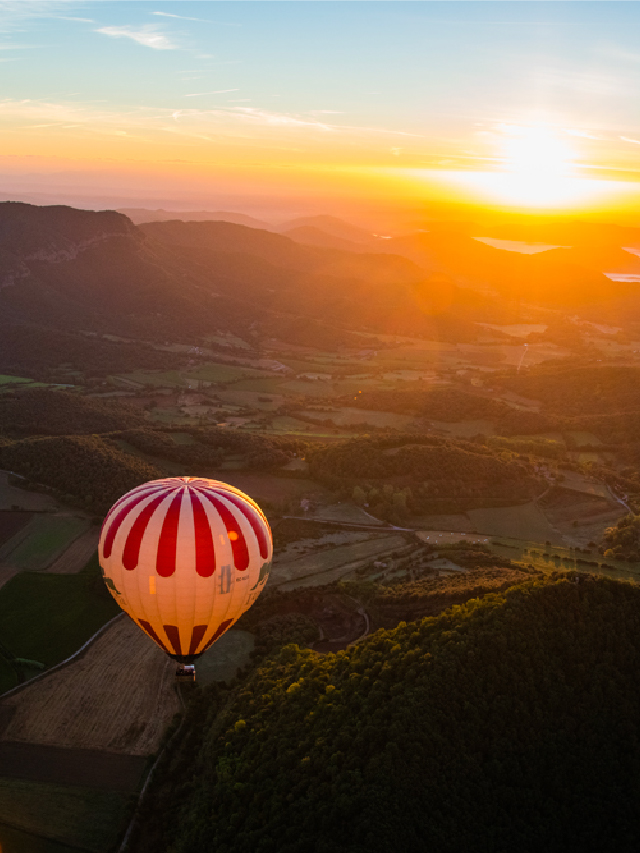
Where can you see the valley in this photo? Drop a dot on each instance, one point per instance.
(417, 436)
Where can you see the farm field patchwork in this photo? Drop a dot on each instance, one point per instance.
(265, 402)
(258, 385)
(37, 544)
(345, 416)
(221, 373)
(155, 379)
(78, 707)
(464, 429)
(331, 564)
(47, 617)
(78, 554)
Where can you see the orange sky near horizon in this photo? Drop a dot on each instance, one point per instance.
(386, 104)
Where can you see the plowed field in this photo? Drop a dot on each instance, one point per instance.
(119, 696)
(78, 554)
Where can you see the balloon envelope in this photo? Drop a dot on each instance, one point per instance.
(185, 557)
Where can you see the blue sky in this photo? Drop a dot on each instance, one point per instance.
(333, 86)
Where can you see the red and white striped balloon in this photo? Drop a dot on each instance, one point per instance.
(185, 557)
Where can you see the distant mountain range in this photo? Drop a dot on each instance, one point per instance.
(170, 279)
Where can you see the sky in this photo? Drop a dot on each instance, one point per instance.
(308, 104)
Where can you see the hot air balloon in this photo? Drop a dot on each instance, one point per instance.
(185, 557)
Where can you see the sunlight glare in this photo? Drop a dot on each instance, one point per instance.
(538, 169)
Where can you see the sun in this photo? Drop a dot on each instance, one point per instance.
(535, 167)
(538, 168)
(536, 152)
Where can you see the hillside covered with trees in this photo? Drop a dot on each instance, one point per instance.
(433, 474)
(80, 468)
(507, 723)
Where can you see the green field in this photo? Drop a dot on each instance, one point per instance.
(464, 429)
(172, 416)
(192, 378)
(222, 373)
(339, 388)
(250, 398)
(46, 618)
(285, 423)
(260, 384)
(42, 539)
(518, 522)
(78, 817)
(346, 416)
(228, 340)
(156, 379)
(181, 438)
(10, 380)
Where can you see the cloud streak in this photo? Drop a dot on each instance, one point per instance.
(148, 36)
(216, 92)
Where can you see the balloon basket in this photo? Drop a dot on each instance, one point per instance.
(186, 674)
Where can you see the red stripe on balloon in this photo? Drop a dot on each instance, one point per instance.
(107, 546)
(238, 543)
(149, 629)
(205, 552)
(131, 552)
(168, 542)
(144, 489)
(256, 525)
(225, 487)
(196, 637)
(219, 632)
(173, 634)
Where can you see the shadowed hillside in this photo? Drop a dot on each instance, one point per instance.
(508, 723)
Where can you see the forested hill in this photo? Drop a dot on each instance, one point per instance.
(510, 723)
(75, 270)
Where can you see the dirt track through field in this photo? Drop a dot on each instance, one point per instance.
(78, 554)
(119, 697)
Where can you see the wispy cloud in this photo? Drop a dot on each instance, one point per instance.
(200, 20)
(181, 17)
(628, 139)
(147, 35)
(279, 119)
(253, 125)
(216, 92)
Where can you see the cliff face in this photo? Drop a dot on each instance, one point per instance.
(53, 235)
(80, 269)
